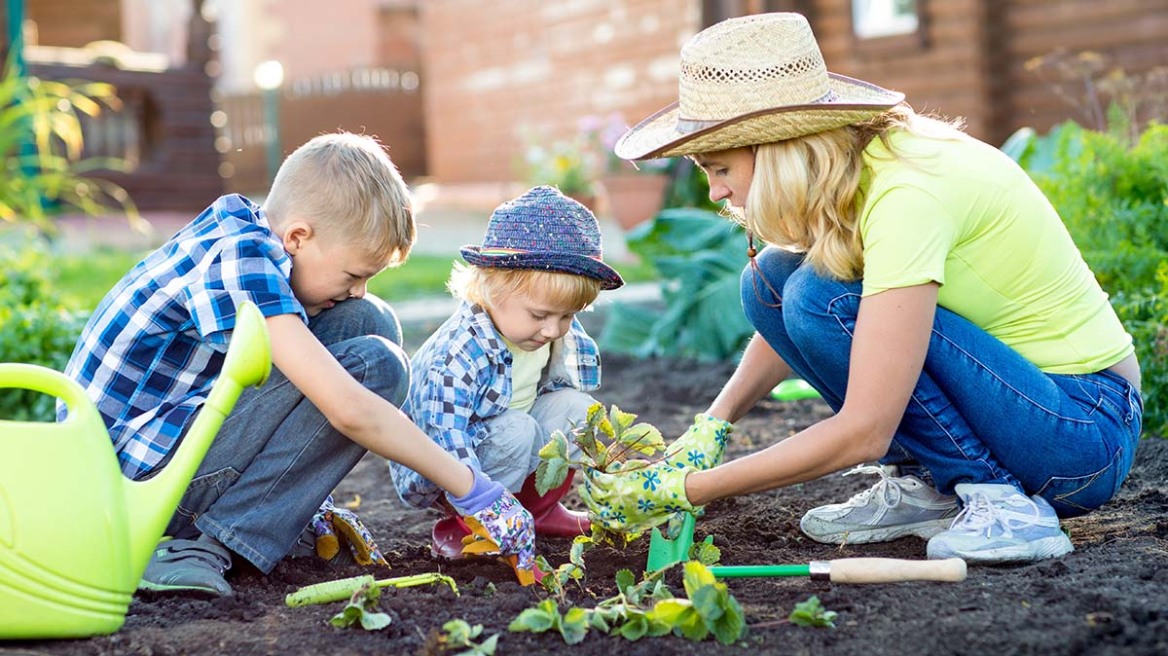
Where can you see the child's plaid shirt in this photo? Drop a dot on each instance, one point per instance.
(461, 376)
(155, 344)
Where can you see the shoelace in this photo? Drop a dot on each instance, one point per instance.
(981, 515)
(887, 487)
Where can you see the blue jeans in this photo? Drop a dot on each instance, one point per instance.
(510, 451)
(276, 457)
(980, 413)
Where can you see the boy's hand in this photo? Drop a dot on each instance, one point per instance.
(636, 499)
(507, 523)
(336, 526)
(702, 445)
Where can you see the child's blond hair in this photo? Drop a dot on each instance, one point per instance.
(347, 187)
(485, 286)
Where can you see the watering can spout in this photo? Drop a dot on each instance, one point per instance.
(151, 503)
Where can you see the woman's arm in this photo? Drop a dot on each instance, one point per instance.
(759, 370)
(357, 412)
(888, 353)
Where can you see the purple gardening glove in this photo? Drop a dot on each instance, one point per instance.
(504, 520)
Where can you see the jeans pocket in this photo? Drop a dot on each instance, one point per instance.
(1072, 496)
(199, 496)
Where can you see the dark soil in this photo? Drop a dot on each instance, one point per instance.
(1108, 597)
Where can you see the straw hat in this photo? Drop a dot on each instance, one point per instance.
(545, 230)
(753, 80)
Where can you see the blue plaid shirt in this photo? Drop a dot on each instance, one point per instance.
(461, 377)
(155, 344)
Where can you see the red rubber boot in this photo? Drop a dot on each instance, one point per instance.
(447, 534)
(551, 517)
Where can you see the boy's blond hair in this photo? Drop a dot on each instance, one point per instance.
(485, 286)
(347, 187)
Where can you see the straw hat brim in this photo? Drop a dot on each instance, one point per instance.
(659, 135)
(579, 265)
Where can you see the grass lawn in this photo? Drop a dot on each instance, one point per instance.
(82, 280)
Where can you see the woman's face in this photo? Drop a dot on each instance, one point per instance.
(729, 172)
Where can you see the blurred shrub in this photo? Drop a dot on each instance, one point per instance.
(34, 329)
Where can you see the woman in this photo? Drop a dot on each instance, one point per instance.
(921, 283)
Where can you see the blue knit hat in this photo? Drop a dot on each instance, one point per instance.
(544, 229)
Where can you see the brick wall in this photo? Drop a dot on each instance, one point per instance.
(74, 23)
(497, 71)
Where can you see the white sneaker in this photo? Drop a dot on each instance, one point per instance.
(895, 507)
(1001, 524)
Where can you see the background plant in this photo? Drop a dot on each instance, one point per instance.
(35, 328)
(699, 257)
(42, 145)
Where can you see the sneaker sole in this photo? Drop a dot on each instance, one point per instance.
(923, 530)
(160, 587)
(1051, 547)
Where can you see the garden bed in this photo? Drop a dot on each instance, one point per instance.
(1108, 597)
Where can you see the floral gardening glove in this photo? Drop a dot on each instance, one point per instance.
(701, 446)
(496, 516)
(336, 526)
(635, 499)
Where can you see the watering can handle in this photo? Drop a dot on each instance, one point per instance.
(56, 384)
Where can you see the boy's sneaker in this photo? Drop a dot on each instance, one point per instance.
(188, 566)
(1001, 524)
(895, 507)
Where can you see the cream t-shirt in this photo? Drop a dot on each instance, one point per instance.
(963, 214)
(526, 369)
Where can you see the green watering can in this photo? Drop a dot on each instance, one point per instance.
(75, 534)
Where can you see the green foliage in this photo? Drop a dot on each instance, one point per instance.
(459, 634)
(34, 329)
(811, 613)
(699, 257)
(556, 579)
(645, 609)
(360, 611)
(605, 439)
(1112, 193)
(41, 146)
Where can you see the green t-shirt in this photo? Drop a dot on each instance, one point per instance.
(962, 214)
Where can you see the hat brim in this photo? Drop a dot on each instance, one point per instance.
(579, 265)
(660, 135)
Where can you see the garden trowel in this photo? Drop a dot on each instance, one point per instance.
(664, 552)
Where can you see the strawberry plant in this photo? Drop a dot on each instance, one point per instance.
(647, 608)
(360, 610)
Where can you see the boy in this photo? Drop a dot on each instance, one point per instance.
(512, 364)
(337, 214)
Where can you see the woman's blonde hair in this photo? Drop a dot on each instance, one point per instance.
(347, 187)
(805, 195)
(485, 286)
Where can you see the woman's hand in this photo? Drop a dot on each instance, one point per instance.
(702, 445)
(635, 499)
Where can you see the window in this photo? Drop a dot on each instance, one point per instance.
(880, 18)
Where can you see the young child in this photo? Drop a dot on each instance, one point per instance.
(512, 364)
(337, 214)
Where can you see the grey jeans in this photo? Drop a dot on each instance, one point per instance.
(276, 456)
(510, 451)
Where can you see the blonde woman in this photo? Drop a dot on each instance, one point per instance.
(921, 283)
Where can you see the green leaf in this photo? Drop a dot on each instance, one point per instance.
(705, 552)
(550, 474)
(635, 628)
(535, 620)
(557, 447)
(580, 544)
(811, 613)
(574, 626)
(731, 625)
(374, 621)
(625, 579)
